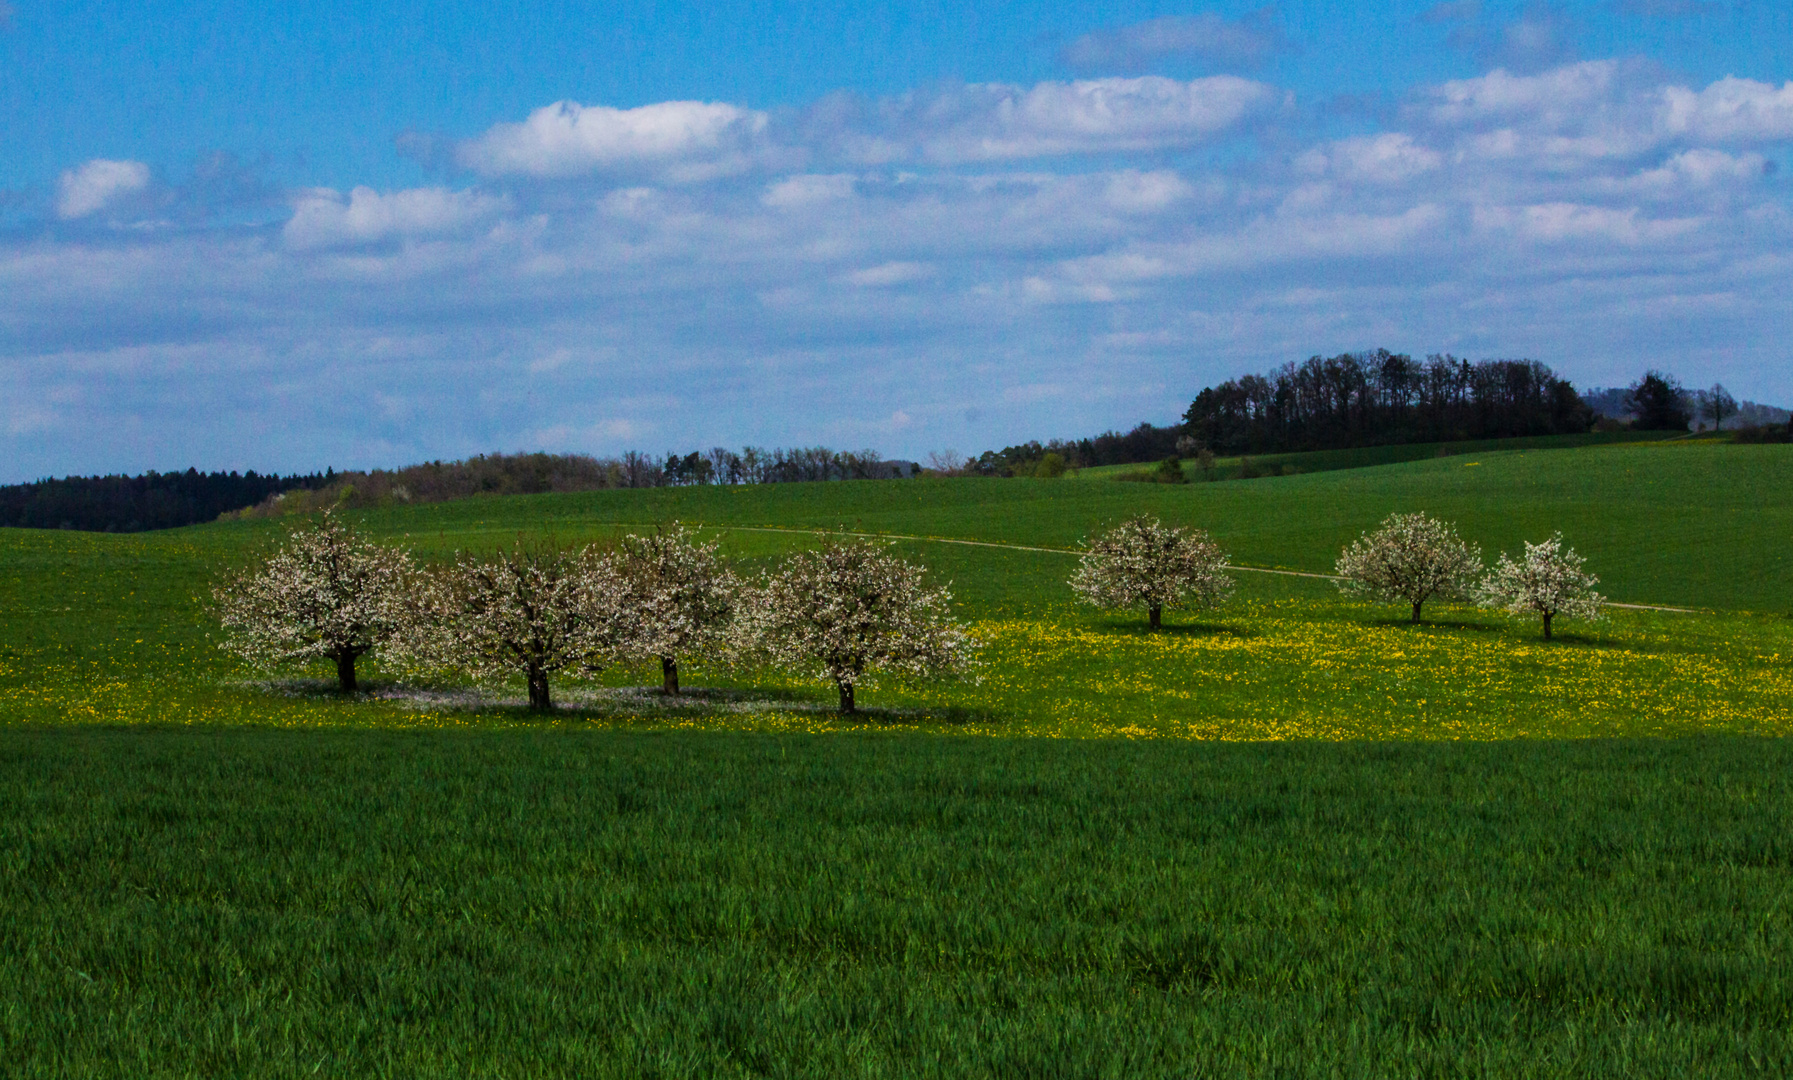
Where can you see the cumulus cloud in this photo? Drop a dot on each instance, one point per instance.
(996, 121)
(1132, 191)
(1585, 113)
(1208, 39)
(689, 142)
(1693, 174)
(808, 190)
(1597, 215)
(1389, 158)
(1730, 109)
(1559, 222)
(325, 218)
(98, 185)
(685, 140)
(891, 273)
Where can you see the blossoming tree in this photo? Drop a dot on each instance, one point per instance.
(850, 610)
(679, 595)
(326, 593)
(1412, 558)
(530, 611)
(1548, 580)
(1143, 563)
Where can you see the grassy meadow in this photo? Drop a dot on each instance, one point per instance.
(1293, 836)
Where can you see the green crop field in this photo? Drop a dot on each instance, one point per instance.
(1292, 836)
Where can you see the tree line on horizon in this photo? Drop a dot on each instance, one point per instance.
(1382, 398)
(153, 500)
(171, 500)
(1324, 403)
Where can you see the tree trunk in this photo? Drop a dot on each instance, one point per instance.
(846, 698)
(538, 691)
(345, 671)
(1416, 611)
(1547, 626)
(1157, 615)
(669, 676)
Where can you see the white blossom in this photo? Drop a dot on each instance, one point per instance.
(529, 611)
(850, 610)
(1411, 558)
(1141, 563)
(679, 596)
(1547, 581)
(325, 594)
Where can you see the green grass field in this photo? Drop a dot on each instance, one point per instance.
(1294, 836)
(242, 902)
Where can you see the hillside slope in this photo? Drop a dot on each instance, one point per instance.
(1701, 524)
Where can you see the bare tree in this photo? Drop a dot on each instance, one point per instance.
(1142, 563)
(1716, 404)
(1548, 580)
(679, 597)
(1411, 558)
(946, 462)
(725, 466)
(530, 611)
(639, 470)
(326, 593)
(754, 464)
(851, 610)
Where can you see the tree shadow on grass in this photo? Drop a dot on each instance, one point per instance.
(1517, 631)
(894, 717)
(1404, 622)
(1179, 630)
(648, 703)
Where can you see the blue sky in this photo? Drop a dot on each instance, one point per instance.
(286, 236)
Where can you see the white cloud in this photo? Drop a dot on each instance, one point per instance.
(1556, 223)
(1389, 158)
(1730, 110)
(688, 140)
(1698, 170)
(1132, 191)
(97, 185)
(1580, 115)
(808, 190)
(988, 122)
(326, 218)
(891, 273)
(1554, 99)
(1597, 216)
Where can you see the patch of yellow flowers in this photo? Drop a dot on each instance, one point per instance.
(1285, 670)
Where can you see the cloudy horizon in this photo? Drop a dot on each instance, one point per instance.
(952, 263)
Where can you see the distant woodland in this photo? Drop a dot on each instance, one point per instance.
(1324, 403)
(136, 503)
